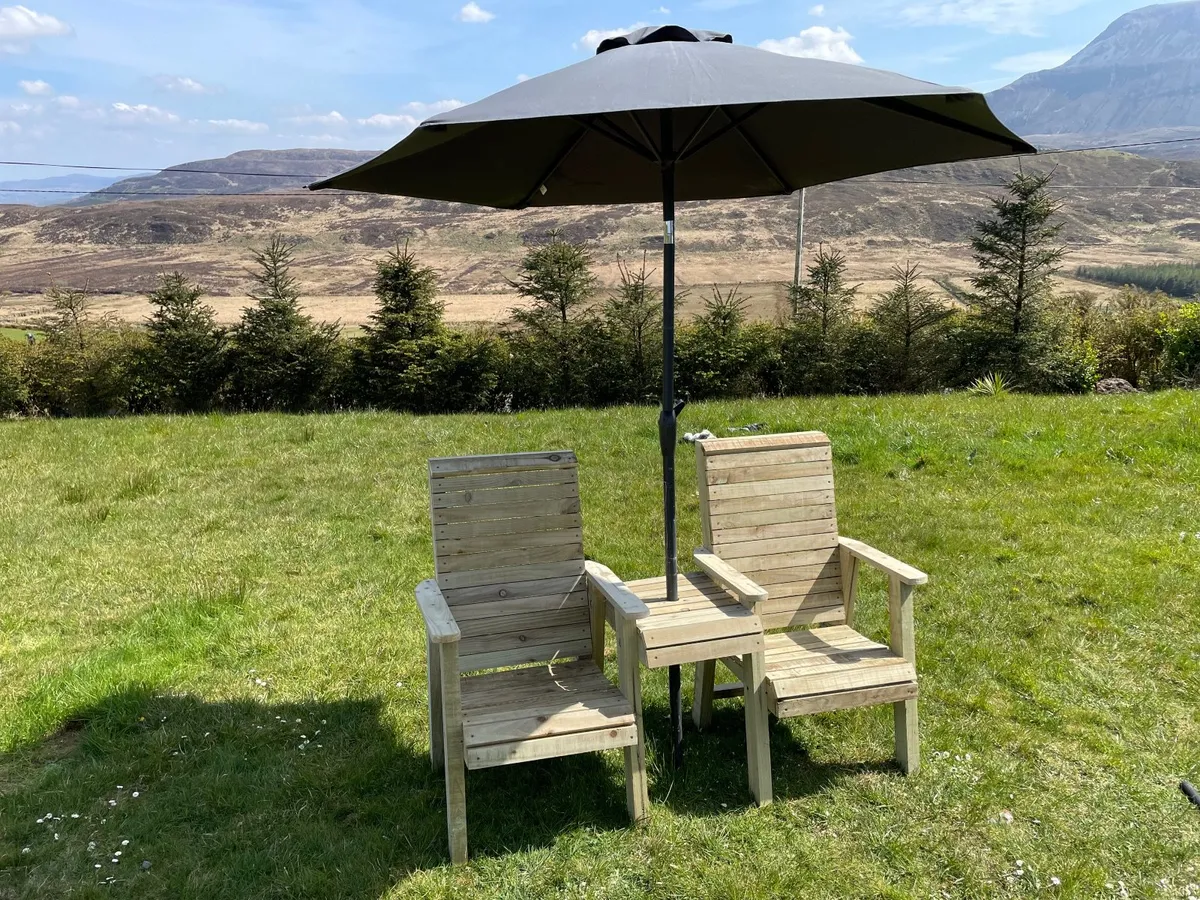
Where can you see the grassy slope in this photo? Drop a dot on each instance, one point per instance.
(182, 600)
(13, 334)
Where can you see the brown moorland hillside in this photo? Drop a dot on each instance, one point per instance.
(119, 249)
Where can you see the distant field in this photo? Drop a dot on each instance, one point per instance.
(14, 334)
(1177, 279)
(217, 613)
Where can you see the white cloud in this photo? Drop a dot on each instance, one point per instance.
(181, 84)
(818, 10)
(818, 42)
(1035, 61)
(239, 126)
(333, 118)
(25, 109)
(473, 12)
(20, 24)
(663, 11)
(9, 127)
(143, 114)
(597, 36)
(996, 16)
(432, 109)
(66, 101)
(36, 88)
(390, 122)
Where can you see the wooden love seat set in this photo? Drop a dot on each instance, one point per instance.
(773, 601)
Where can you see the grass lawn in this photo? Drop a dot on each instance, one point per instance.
(13, 334)
(209, 649)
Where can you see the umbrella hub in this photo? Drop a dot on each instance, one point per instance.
(657, 34)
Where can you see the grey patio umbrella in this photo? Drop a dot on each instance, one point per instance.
(666, 114)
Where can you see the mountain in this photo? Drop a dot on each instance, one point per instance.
(236, 174)
(58, 188)
(1138, 81)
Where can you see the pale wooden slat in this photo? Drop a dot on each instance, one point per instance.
(805, 602)
(561, 682)
(499, 559)
(536, 606)
(752, 565)
(799, 618)
(706, 628)
(727, 576)
(880, 560)
(532, 509)
(506, 541)
(623, 601)
(805, 706)
(822, 567)
(847, 679)
(520, 622)
(670, 615)
(746, 474)
(530, 654)
(793, 589)
(719, 446)
(738, 550)
(482, 465)
(466, 530)
(551, 747)
(757, 458)
(617, 713)
(440, 626)
(736, 519)
(530, 636)
(480, 577)
(784, 486)
(722, 511)
(441, 484)
(454, 762)
(678, 654)
(816, 640)
(772, 531)
(517, 586)
(504, 497)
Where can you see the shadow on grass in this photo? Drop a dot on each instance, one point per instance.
(714, 779)
(248, 799)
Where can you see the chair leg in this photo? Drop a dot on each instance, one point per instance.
(637, 793)
(598, 610)
(758, 742)
(908, 739)
(702, 698)
(433, 666)
(456, 767)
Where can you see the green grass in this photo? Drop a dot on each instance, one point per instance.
(1176, 279)
(13, 334)
(185, 601)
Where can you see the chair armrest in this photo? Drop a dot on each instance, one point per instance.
(439, 620)
(624, 602)
(906, 573)
(728, 577)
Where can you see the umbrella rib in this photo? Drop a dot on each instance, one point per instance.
(619, 138)
(906, 108)
(722, 131)
(558, 161)
(696, 133)
(762, 157)
(658, 154)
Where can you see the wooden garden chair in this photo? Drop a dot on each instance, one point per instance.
(771, 539)
(513, 588)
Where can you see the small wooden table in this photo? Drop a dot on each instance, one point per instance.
(705, 623)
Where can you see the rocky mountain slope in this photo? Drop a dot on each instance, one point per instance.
(1139, 80)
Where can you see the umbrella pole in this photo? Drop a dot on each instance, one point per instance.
(668, 417)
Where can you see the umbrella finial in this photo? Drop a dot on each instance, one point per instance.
(656, 34)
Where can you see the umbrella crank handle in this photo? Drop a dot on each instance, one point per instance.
(668, 427)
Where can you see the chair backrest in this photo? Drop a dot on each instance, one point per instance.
(767, 508)
(508, 545)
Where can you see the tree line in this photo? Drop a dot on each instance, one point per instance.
(573, 344)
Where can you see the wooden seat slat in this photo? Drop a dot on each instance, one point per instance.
(504, 462)
(530, 509)
(504, 497)
(497, 559)
(503, 527)
(440, 484)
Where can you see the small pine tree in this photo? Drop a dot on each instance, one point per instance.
(281, 358)
(634, 315)
(186, 354)
(826, 299)
(556, 277)
(904, 316)
(407, 295)
(1017, 255)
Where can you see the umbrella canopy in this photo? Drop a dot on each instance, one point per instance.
(665, 114)
(747, 122)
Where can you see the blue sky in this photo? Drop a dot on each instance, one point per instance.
(149, 83)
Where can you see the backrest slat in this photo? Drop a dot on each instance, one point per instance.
(767, 507)
(508, 550)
